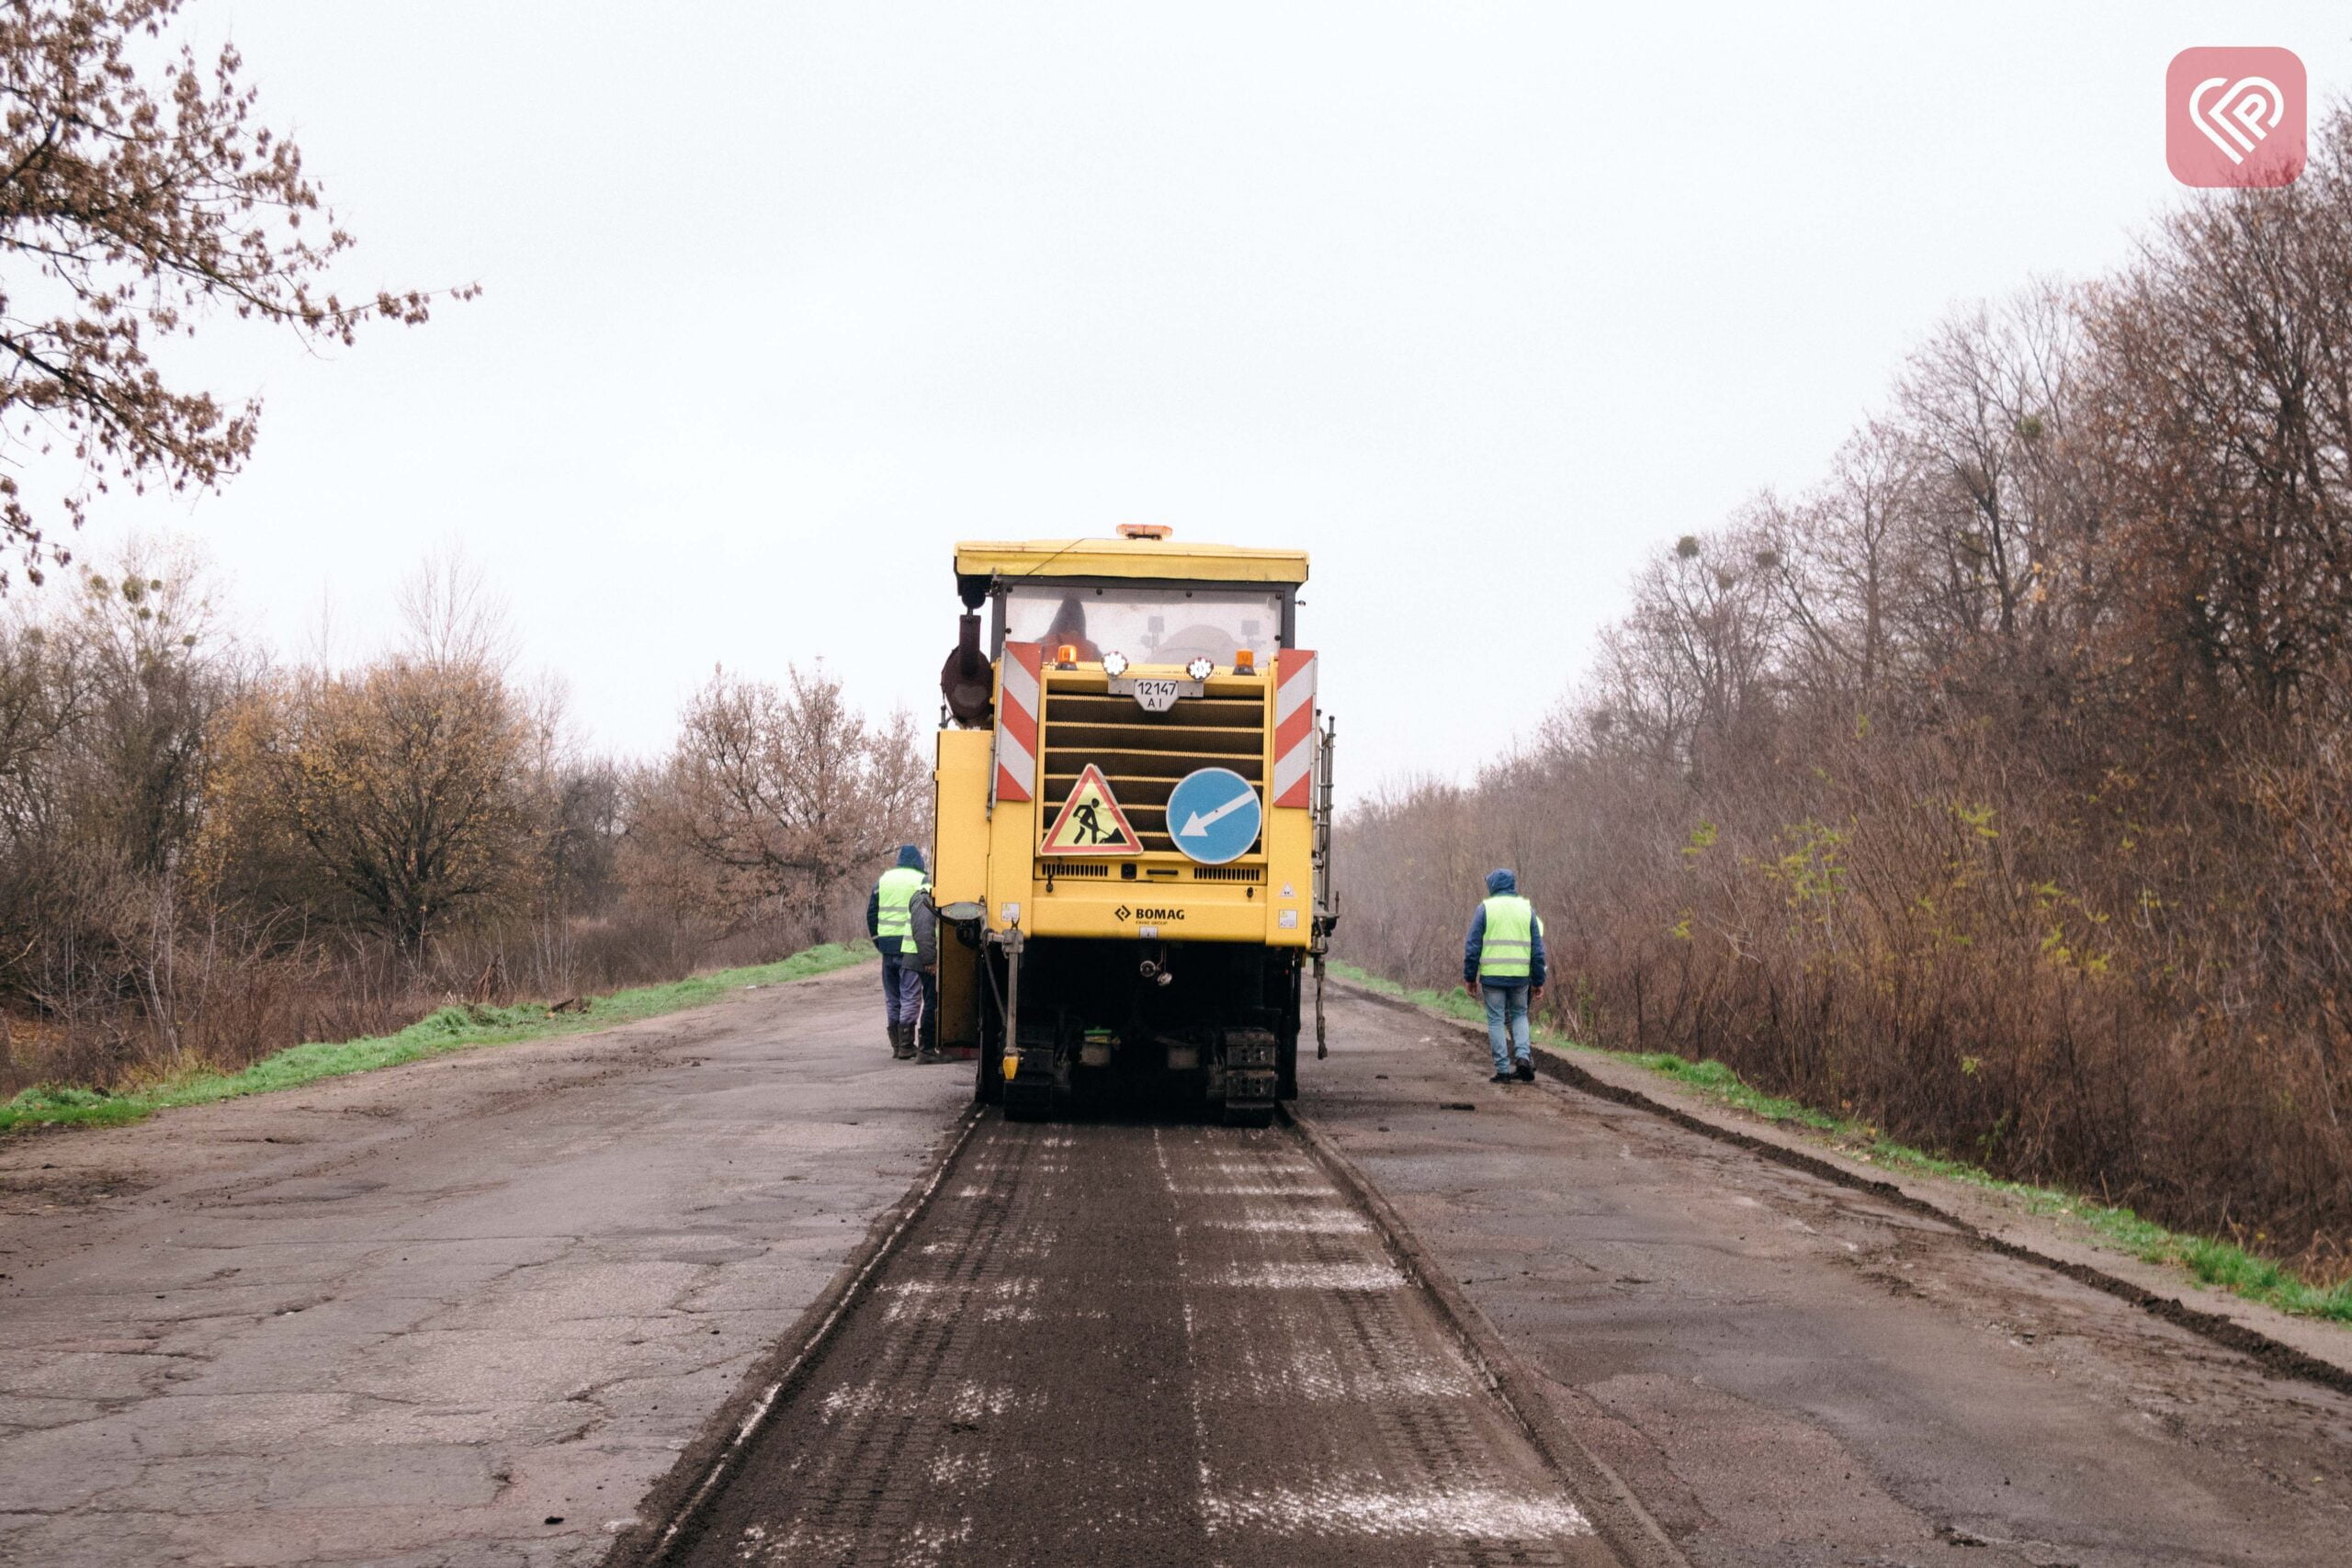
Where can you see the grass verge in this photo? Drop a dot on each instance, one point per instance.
(2218, 1264)
(444, 1029)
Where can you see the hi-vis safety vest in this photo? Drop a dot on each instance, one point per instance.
(1508, 952)
(894, 919)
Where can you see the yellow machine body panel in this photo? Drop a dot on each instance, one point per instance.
(1266, 896)
(1157, 559)
(960, 865)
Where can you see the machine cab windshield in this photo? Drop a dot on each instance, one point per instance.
(1155, 624)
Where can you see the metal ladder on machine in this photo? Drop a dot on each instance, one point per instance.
(1327, 900)
(1257, 1049)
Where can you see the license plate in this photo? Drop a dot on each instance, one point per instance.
(1154, 697)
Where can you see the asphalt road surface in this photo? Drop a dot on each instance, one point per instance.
(496, 1309)
(1138, 1343)
(1114, 1343)
(1791, 1373)
(459, 1312)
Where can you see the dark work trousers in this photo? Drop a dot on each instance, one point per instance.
(902, 990)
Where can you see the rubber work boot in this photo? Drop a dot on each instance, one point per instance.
(1500, 1077)
(1525, 1071)
(902, 1041)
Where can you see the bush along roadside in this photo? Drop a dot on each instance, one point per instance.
(2218, 1264)
(444, 1029)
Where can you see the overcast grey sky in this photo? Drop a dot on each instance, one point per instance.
(1479, 303)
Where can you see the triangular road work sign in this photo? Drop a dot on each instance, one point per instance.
(1090, 822)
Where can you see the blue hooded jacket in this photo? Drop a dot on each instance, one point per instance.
(910, 856)
(1502, 882)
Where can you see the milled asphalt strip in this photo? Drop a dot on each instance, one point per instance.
(681, 1493)
(1631, 1531)
(2275, 1357)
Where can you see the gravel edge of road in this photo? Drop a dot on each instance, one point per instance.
(1637, 1539)
(2275, 1355)
(665, 1516)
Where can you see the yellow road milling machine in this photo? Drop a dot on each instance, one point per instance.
(1134, 816)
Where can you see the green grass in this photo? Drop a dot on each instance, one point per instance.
(2218, 1264)
(445, 1028)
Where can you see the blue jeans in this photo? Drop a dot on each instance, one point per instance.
(1506, 1005)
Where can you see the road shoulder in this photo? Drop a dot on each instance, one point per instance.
(2000, 1215)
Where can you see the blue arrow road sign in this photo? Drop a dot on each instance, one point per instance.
(1214, 816)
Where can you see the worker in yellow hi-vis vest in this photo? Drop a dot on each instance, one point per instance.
(1503, 964)
(900, 898)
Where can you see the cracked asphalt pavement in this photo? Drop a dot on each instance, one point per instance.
(474, 1311)
(1792, 1373)
(462, 1311)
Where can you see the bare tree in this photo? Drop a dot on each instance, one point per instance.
(451, 617)
(398, 788)
(1832, 565)
(135, 200)
(785, 796)
(1992, 790)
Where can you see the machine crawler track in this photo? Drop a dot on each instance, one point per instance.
(1251, 1057)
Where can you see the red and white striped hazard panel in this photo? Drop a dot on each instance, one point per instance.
(1294, 727)
(1022, 694)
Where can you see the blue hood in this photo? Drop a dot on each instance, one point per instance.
(1502, 882)
(910, 857)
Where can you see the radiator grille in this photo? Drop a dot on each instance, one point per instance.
(1145, 754)
(1059, 867)
(1227, 873)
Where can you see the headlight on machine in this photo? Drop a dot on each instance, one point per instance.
(1115, 663)
(1199, 668)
